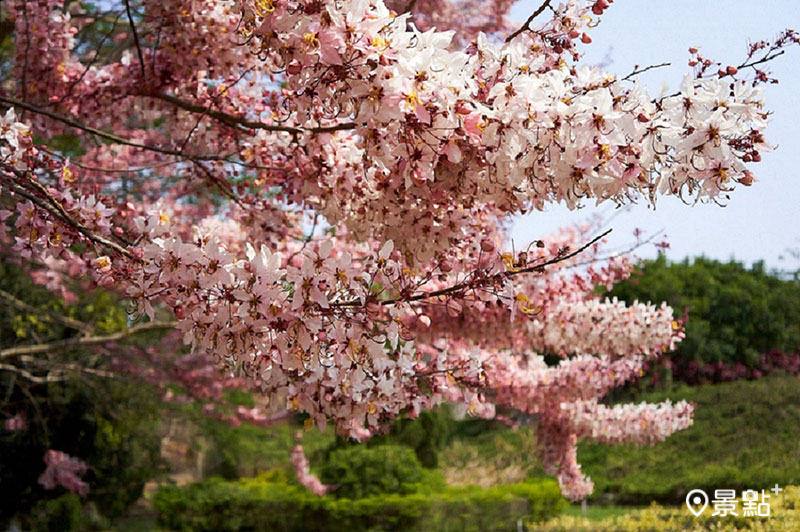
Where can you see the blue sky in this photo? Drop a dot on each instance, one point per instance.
(759, 222)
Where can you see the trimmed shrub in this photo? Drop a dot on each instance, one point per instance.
(358, 471)
(259, 505)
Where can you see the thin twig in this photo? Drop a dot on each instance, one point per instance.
(637, 70)
(235, 121)
(527, 24)
(486, 281)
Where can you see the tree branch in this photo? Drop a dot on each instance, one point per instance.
(486, 281)
(637, 70)
(135, 37)
(81, 341)
(57, 210)
(30, 376)
(236, 121)
(50, 316)
(527, 24)
(52, 365)
(103, 134)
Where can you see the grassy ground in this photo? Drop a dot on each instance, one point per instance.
(746, 435)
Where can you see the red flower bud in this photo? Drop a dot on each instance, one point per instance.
(748, 178)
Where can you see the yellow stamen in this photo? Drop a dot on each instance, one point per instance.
(412, 100)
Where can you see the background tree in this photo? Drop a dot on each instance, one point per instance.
(733, 315)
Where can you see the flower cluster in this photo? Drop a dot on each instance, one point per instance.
(304, 475)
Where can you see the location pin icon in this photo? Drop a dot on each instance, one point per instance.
(697, 501)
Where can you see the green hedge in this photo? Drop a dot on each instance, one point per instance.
(271, 506)
(359, 471)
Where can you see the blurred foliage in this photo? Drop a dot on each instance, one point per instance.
(110, 424)
(359, 471)
(735, 313)
(263, 504)
(784, 517)
(497, 455)
(427, 435)
(102, 310)
(247, 450)
(65, 513)
(746, 435)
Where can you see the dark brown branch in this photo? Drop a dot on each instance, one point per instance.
(527, 24)
(82, 341)
(483, 282)
(236, 121)
(766, 58)
(135, 37)
(104, 134)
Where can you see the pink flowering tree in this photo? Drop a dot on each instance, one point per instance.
(314, 194)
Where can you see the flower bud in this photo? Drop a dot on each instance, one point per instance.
(294, 68)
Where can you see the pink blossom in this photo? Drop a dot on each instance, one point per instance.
(18, 422)
(63, 470)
